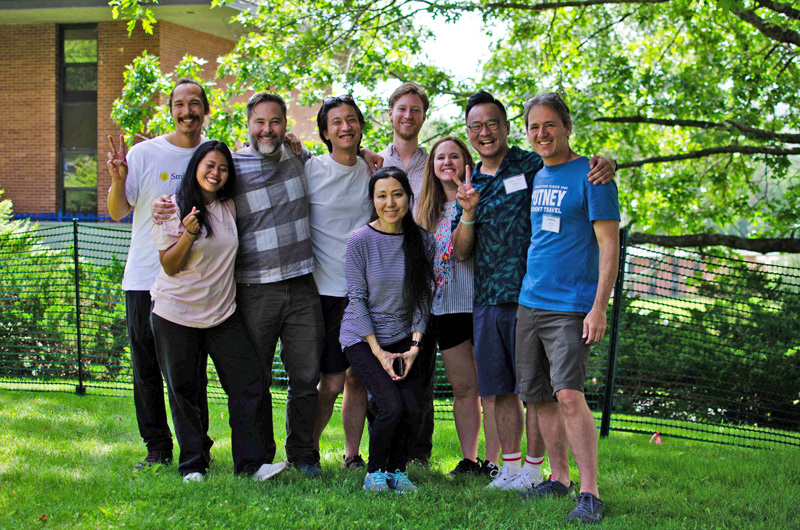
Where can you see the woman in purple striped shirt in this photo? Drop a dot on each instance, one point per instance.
(389, 284)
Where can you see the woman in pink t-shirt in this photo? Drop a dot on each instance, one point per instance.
(194, 316)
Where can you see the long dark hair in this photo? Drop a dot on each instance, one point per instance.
(418, 279)
(432, 197)
(189, 193)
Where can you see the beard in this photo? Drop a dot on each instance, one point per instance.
(265, 148)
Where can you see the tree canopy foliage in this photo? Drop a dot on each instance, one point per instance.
(696, 99)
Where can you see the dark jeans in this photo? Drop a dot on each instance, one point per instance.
(427, 362)
(182, 351)
(394, 406)
(290, 311)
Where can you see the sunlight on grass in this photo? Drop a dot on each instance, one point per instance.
(70, 459)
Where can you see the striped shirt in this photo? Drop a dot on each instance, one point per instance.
(271, 199)
(453, 277)
(415, 169)
(375, 270)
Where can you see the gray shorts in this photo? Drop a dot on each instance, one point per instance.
(551, 354)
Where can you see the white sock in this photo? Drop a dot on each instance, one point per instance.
(533, 465)
(512, 462)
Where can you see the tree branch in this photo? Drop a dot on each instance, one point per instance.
(778, 7)
(545, 6)
(741, 149)
(754, 132)
(762, 245)
(768, 29)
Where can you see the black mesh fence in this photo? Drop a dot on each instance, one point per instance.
(703, 346)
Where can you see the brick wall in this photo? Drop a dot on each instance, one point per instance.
(29, 130)
(115, 50)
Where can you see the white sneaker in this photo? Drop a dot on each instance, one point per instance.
(522, 481)
(267, 471)
(193, 477)
(502, 478)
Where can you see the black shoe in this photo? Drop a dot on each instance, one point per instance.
(354, 462)
(466, 467)
(488, 469)
(154, 458)
(549, 488)
(588, 511)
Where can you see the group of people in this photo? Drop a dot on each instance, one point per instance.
(361, 264)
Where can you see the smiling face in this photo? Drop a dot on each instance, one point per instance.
(188, 111)
(212, 174)
(344, 128)
(489, 144)
(267, 128)
(407, 116)
(391, 204)
(448, 161)
(548, 135)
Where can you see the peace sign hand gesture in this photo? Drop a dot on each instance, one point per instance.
(117, 163)
(467, 196)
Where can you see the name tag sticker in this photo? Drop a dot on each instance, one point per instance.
(551, 223)
(515, 183)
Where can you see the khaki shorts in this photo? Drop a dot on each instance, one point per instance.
(551, 354)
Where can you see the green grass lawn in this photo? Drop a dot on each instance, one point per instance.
(67, 462)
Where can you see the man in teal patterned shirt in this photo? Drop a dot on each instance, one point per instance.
(494, 223)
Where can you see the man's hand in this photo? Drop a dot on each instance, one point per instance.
(594, 326)
(294, 143)
(162, 209)
(117, 163)
(602, 170)
(467, 196)
(373, 160)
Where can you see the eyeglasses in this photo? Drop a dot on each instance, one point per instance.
(477, 126)
(347, 98)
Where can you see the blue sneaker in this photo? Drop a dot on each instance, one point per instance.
(376, 481)
(308, 465)
(398, 481)
(588, 511)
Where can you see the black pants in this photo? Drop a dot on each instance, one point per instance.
(423, 445)
(148, 387)
(181, 352)
(288, 310)
(394, 406)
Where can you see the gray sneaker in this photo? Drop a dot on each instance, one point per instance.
(398, 481)
(376, 481)
(549, 488)
(588, 511)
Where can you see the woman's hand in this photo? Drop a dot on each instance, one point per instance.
(191, 224)
(408, 360)
(387, 361)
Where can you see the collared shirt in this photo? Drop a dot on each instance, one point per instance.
(415, 169)
(502, 227)
(272, 213)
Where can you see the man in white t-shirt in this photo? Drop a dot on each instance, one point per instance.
(152, 168)
(337, 193)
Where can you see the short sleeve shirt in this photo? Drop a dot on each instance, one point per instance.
(502, 227)
(563, 259)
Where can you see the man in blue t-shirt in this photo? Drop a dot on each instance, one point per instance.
(493, 224)
(572, 266)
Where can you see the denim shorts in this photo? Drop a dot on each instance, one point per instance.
(494, 327)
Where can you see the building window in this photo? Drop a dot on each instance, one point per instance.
(78, 119)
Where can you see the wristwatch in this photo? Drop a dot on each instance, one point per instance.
(417, 343)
